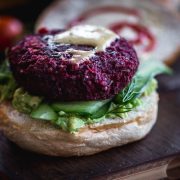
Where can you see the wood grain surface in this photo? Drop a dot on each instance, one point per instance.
(162, 143)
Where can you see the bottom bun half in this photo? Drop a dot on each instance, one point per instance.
(42, 137)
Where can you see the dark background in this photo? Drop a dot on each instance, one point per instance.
(27, 11)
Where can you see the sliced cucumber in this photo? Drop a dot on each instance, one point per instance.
(101, 112)
(81, 107)
(44, 112)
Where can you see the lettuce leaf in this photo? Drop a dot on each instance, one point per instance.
(141, 81)
(7, 82)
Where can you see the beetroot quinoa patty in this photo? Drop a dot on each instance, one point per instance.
(42, 67)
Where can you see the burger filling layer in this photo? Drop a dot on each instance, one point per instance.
(71, 116)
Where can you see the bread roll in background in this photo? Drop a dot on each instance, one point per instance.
(162, 23)
(173, 5)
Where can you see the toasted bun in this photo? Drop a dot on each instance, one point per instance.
(42, 137)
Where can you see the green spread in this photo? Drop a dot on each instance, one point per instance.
(24, 102)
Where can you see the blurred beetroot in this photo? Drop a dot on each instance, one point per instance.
(10, 29)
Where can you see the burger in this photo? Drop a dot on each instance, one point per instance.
(76, 92)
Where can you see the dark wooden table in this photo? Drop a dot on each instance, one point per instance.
(160, 146)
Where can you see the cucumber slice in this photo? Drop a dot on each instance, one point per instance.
(101, 112)
(81, 107)
(44, 112)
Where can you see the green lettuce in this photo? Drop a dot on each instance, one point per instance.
(7, 82)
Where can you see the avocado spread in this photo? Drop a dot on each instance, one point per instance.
(24, 102)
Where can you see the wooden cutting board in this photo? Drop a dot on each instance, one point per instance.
(156, 150)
